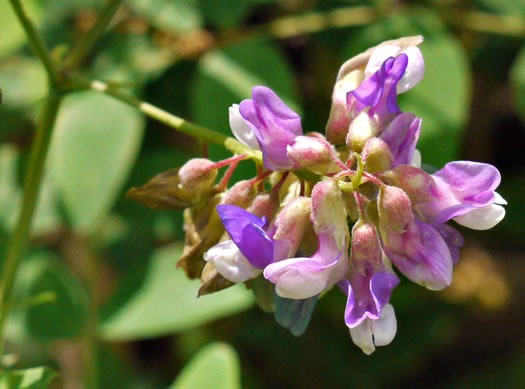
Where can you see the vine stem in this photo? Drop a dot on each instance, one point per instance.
(37, 43)
(152, 111)
(84, 46)
(20, 235)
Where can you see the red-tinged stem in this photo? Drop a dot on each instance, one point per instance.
(229, 161)
(280, 183)
(260, 177)
(359, 201)
(223, 184)
(374, 179)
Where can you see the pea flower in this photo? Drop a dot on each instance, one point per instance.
(293, 242)
(274, 124)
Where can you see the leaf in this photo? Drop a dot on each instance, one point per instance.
(518, 81)
(95, 143)
(172, 16)
(23, 81)
(46, 216)
(165, 302)
(442, 98)
(215, 366)
(34, 378)
(13, 35)
(225, 13)
(39, 274)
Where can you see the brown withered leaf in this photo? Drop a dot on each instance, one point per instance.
(163, 192)
(212, 281)
(203, 228)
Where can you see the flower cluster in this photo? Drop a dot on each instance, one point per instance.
(345, 208)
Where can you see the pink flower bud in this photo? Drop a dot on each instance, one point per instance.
(310, 152)
(366, 248)
(292, 221)
(197, 175)
(376, 155)
(416, 183)
(241, 194)
(362, 128)
(265, 205)
(395, 209)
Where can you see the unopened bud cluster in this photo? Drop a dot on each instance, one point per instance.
(343, 208)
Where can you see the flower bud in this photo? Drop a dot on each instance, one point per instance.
(416, 183)
(309, 152)
(292, 222)
(265, 205)
(376, 155)
(241, 194)
(197, 175)
(340, 117)
(395, 209)
(366, 248)
(328, 209)
(362, 128)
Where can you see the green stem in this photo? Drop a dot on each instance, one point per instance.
(36, 42)
(20, 235)
(84, 46)
(150, 110)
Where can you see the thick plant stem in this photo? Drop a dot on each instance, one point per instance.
(36, 42)
(33, 177)
(84, 46)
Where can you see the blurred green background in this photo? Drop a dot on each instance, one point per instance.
(98, 298)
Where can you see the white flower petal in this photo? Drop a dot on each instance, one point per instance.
(416, 159)
(230, 263)
(384, 329)
(379, 56)
(482, 218)
(241, 129)
(415, 70)
(498, 199)
(362, 337)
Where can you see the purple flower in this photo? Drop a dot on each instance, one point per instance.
(465, 192)
(379, 90)
(304, 277)
(247, 232)
(371, 280)
(422, 253)
(402, 135)
(274, 124)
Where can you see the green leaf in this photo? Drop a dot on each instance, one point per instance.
(34, 378)
(23, 81)
(95, 143)
(442, 98)
(225, 77)
(13, 35)
(165, 302)
(225, 13)
(46, 216)
(172, 16)
(64, 317)
(518, 81)
(215, 366)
